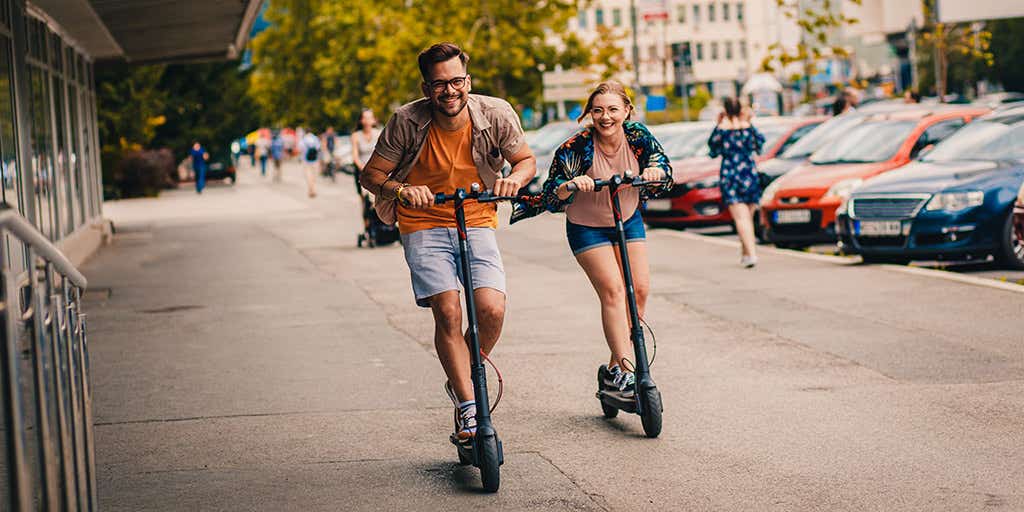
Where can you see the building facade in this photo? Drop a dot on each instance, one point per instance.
(725, 42)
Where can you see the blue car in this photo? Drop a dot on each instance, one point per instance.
(955, 202)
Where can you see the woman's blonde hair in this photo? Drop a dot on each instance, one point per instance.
(609, 87)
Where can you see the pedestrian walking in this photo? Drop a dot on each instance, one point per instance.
(277, 153)
(364, 138)
(450, 139)
(199, 159)
(263, 152)
(328, 140)
(736, 140)
(611, 145)
(309, 151)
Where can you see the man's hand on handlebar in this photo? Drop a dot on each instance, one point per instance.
(506, 187)
(417, 197)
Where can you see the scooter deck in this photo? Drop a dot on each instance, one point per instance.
(618, 401)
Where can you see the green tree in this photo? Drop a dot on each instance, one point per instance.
(1007, 49)
(942, 44)
(320, 62)
(818, 27)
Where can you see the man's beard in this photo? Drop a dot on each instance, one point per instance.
(440, 106)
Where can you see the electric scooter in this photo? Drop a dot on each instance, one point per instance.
(646, 400)
(485, 451)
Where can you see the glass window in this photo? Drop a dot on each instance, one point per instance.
(739, 11)
(599, 17)
(681, 14)
(696, 13)
(617, 17)
(42, 159)
(725, 11)
(728, 50)
(582, 18)
(874, 141)
(981, 140)
(711, 12)
(714, 51)
(12, 192)
(743, 50)
(700, 51)
(822, 135)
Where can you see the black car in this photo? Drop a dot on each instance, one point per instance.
(221, 166)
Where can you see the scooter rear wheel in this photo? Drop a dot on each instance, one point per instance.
(650, 411)
(490, 470)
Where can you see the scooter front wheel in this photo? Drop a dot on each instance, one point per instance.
(650, 411)
(489, 458)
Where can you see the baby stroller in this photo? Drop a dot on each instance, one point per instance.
(375, 232)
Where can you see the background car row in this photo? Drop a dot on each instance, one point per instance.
(890, 182)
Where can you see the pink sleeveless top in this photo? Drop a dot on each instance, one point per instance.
(594, 209)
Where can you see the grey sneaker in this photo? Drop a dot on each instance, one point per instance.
(465, 417)
(618, 380)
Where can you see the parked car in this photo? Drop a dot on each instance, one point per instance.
(1018, 221)
(955, 202)
(799, 208)
(543, 142)
(221, 166)
(696, 200)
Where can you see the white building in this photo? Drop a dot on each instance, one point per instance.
(727, 41)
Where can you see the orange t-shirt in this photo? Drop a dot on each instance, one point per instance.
(445, 164)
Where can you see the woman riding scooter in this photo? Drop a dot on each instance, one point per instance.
(612, 145)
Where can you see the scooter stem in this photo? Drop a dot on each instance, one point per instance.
(477, 371)
(636, 334)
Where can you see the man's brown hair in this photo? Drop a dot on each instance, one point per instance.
(438, 53)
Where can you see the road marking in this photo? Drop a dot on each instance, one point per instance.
(850, 260)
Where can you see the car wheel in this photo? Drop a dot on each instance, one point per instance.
(1011, 245)
(792, 245)
(871, 259)
(231, 179)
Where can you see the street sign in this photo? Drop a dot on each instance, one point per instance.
(651, 10)
(656, 103)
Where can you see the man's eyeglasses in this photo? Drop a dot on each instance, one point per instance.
(457, 83)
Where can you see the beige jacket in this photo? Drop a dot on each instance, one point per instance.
(497, 135)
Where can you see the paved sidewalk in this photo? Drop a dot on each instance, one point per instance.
(247, 356)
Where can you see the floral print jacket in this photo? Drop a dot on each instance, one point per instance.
(575, 157)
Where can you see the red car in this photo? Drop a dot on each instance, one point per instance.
(696, 199)
(1018, 223)
(799, 208)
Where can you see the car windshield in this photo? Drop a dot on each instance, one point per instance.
(821, 135)
(875, 141)
(981, 140)
(772, 133)
(549, 137)
(684, 143)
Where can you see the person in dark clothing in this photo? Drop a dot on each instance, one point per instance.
(199, 159)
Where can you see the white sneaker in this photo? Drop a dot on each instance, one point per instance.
(748, 261)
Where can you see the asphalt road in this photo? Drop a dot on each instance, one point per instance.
(247, 356)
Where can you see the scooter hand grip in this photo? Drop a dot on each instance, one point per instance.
(439, 198)
(571, 187)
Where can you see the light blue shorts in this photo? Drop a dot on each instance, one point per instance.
(433, 259)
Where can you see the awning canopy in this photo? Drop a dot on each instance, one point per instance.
(154, 30)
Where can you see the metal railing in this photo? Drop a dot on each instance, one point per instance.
(47, 432)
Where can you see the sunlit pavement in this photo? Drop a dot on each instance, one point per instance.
(247, 356)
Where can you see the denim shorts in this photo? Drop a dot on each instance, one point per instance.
(433, 259)
(583, 238)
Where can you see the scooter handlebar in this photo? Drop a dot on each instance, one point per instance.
(482, 196)
(627, 180)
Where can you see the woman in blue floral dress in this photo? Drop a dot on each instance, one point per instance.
(736, 141)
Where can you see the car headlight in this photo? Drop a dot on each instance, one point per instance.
(956, 201)
(711, 182)
(844, 187)
(769, 192)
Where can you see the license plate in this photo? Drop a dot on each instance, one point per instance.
(879, 228)
(659, 205)
(792, 216)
